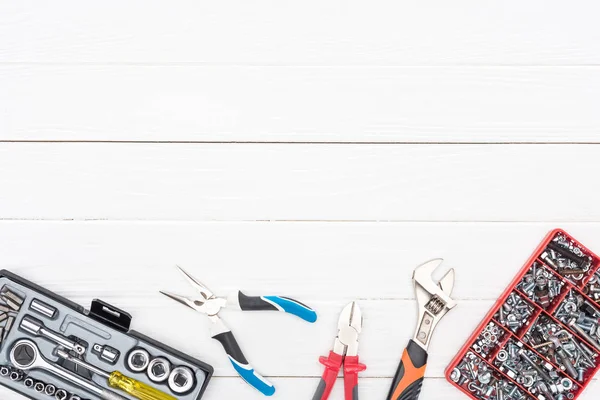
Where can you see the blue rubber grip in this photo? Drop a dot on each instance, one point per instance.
(252, 378)
(294, 307)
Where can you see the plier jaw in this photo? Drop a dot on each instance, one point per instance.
(345, 352)
(210, 305)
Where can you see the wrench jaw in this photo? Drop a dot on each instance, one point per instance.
(433, 300)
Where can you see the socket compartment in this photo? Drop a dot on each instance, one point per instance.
(99, 336)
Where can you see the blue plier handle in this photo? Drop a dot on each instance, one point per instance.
(210, 305)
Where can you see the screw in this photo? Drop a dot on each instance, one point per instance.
(473, 387)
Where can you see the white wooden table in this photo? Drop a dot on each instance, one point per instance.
(319, 150)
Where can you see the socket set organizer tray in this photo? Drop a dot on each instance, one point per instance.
(53, 349)
(541, 339)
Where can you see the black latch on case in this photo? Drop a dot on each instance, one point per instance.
(114, 317)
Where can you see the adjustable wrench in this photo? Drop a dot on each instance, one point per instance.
(433, 299)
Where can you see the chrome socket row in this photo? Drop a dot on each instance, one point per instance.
(180, 379)
(478, 378)
(39, 386)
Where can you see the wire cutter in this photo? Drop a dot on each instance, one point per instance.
(210, 305)
(433, 300)
(345, 351)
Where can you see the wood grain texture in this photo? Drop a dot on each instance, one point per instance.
(298, 182)
(321, 261)
(319, 150)
(382, 32)
(299, 104)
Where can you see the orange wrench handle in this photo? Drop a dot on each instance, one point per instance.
(351, 369)
(409, 377)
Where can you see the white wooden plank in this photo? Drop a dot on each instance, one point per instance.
(309, 33)
(370, 260)
(301, 251)
(299, 104)
(298, 182)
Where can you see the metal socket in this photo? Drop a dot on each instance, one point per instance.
(138, 360)
(50, 390)
(159, 369)
(181, 380)
(42, 308)
(39, 387)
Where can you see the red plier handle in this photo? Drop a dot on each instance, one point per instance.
(351, 369)
(333, 364)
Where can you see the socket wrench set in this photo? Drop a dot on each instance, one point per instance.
(541, 340)
(53, 349)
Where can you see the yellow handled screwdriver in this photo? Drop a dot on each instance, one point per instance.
(117, 380)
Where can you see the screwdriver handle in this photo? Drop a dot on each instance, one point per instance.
(137, 389)
(409, 377)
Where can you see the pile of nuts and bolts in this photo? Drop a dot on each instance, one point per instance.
(488, 340)
(46, 389)
(514, 313)
(581, 317)
(567, 258)
(541, 285)
(593, 287)
(474, 375)
(534, 374)
(561, 348)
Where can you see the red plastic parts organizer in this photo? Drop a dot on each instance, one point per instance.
(541, 339)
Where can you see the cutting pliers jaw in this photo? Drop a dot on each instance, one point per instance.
(344, 353)
(349, 327)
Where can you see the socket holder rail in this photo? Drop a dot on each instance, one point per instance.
(541, 339)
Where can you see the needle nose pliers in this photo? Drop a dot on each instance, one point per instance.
(210, 305)
(345, 351)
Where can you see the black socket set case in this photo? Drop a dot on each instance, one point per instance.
(102, 325)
